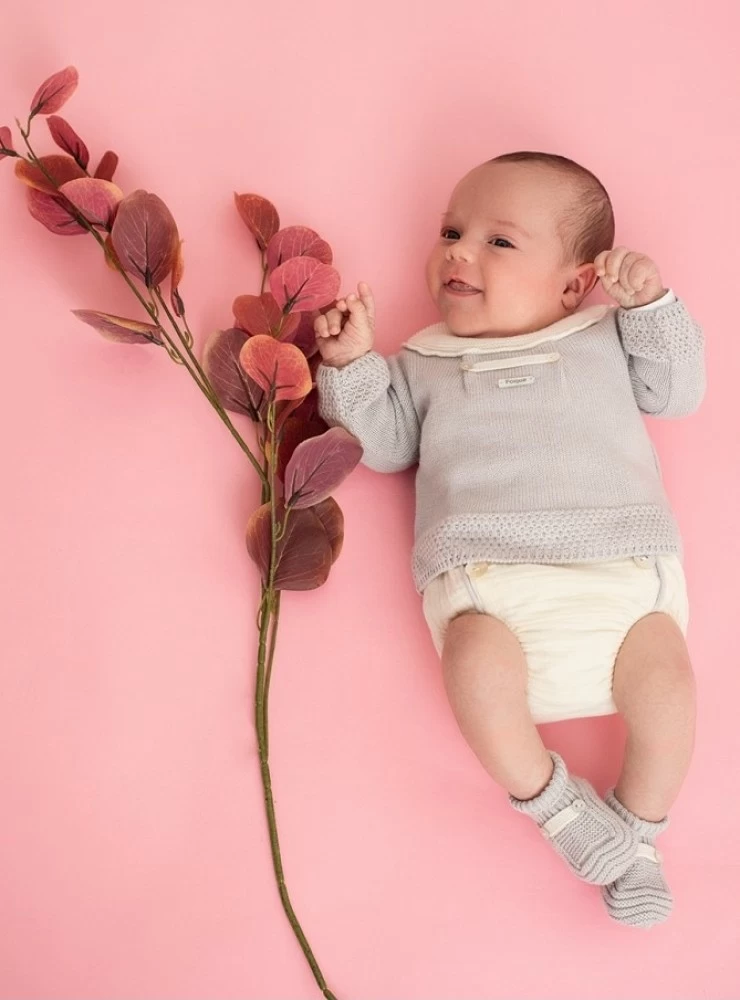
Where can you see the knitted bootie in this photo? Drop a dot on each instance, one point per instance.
(596, 844)
(641, 896)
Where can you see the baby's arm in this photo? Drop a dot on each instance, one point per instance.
(665, 355)
(663, 343)
(362, 391)
(370, 397)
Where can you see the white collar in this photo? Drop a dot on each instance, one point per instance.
(438, 341)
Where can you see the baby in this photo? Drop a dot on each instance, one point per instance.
(546, 553)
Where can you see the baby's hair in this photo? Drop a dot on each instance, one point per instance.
(588, 227)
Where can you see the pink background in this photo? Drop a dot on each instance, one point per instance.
(135, 861)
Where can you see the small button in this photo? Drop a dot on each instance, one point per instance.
(578, 804)
(477, 569)
(642, 560)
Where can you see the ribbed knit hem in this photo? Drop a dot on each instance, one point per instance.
(647, 830)
(542, 804)
(592, 534)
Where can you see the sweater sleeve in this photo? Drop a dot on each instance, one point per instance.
(665, 354)
(371, 398)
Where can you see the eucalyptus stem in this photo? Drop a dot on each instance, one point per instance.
(208, 390)
(269, 614)
(196, 371)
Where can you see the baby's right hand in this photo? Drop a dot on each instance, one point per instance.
(340, 344)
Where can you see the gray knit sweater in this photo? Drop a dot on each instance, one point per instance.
(530, 448)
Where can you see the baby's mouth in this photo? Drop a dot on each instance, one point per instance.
(460, 287)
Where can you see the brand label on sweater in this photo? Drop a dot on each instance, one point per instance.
(506, 383)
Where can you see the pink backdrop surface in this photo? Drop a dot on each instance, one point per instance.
(134, 858)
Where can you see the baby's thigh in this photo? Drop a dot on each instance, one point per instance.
(653, 664)
(481, 651)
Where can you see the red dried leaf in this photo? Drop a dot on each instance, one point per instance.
(120, 329)
(302, 334)
(276, 366)
(178, 269)
(111, 258)
(145, 237)
(96, 200)
(304, 283)
(304, 553)
(6, 141)
(297, 241)
(260, 314)
(67, 139)
(60, 168)
(295, 429)
(107, 166)
(53, 212)
(55, 92)
(330, 514)
(234, 388)
(319, 465)
(259, 215)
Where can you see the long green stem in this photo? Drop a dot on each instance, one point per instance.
(269, 610)
(269, 614)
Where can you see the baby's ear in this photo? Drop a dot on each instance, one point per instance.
(580, 283)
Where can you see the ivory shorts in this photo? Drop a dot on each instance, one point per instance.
(570, 620)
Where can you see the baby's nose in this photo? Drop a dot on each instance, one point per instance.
(459, 251)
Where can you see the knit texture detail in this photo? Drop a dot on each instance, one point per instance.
(547, 460)
(596, 844)
(640, 897)
(590, 534)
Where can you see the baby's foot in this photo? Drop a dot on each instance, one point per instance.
(641, 896)
(595, 842)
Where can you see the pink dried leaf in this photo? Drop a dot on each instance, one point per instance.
(330, 514)
(107, 166)
(55, 92)
(297, 241)
(319, 465)
(234, 388)
(304, 553)
(144, 236)
(6, 142)
(178, 269)
(53, 212)
(67, 139)
(259, 215)
(278, 369)
(93, 198)
(119, 328)
(303, 283)
(59, 167)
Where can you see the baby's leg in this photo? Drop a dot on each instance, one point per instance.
(654, 691)
(485, 677)
(486, 681)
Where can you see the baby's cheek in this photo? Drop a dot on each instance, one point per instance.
(432, 269)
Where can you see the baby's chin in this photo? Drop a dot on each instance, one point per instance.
(504, 324)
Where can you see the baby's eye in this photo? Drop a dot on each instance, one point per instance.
(501, 239)
(446, 231)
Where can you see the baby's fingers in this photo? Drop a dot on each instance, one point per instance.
(639, 272)
(600, 263)
(329, 324)
(367, 298)
(321, 327)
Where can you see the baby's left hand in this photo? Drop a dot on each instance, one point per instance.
(632, 279)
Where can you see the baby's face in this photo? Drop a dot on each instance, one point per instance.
(499, 237)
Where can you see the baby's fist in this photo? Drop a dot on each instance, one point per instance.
(632, 279)
(346, 332)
